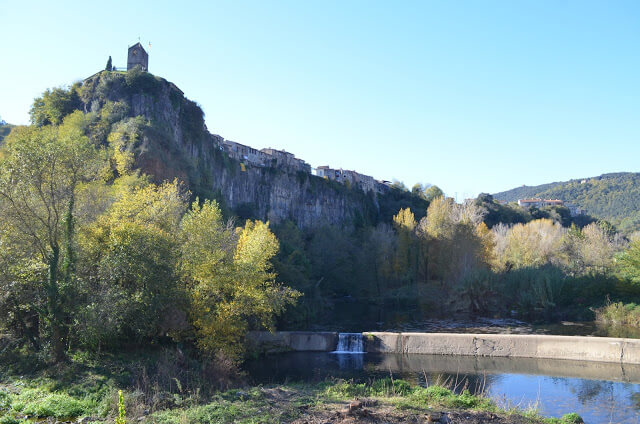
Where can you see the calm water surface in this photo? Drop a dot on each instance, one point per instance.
(599, 392)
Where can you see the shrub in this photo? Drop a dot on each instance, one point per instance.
(619, 313)
(58, 405)
(139, 81)
(4, 400)
(438, 392)
(7, 419)
(571, 418)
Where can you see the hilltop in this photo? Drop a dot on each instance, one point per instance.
(149, 118)
(614, 197)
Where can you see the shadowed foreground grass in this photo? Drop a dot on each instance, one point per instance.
(269, 404)
(166, 387)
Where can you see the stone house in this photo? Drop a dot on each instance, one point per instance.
(281, 158)
(355, 179)
(245, 153)
(328, 173)
(137, 56)
(539, 203)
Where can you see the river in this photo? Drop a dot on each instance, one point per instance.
(599, 392)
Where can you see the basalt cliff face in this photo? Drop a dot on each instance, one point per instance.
(168, 138)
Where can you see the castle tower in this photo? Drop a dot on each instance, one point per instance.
(137, 57)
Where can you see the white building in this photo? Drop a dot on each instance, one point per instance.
(539, 203)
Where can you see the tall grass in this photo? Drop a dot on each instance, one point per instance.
(619, 313)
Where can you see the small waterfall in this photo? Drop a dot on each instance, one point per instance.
(350, 343)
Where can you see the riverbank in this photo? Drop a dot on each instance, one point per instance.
(331, 402)
(86, 390)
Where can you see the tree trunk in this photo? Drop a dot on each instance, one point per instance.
(54, 308)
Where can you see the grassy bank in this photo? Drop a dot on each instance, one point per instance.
(619, 314)
(395, 401)
(167, 386)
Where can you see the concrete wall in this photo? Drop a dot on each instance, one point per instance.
(285, 341)
(603, 349)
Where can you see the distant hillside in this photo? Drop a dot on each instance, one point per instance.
(614, 197)
(5, 130)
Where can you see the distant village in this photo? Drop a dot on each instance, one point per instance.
(248, 156)
(540, 203)
(269, 157)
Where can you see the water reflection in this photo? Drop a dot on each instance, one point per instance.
(599, 392)
(350, 361)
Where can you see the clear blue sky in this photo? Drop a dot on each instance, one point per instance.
(470, 95)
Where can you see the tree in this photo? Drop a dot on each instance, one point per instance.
(453, 243)
(231, 283)
(405, 260)
(433, 192)
(399, 185)
(629, 263)
(597, 249)
(488, 241)
(40, 172)
(418, 190)
(109, 67)
(382, 243)
(129, 257)
(536, 243)
(294, 269)
(54, 105)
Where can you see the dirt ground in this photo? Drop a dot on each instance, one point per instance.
(371, 411)
(385, 415)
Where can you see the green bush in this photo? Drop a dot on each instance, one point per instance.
(58, 405)
(571, 418)
(4, 400)
(139, 81)
(387, 386)
(8, 419)
(619, 313)
(437, 392)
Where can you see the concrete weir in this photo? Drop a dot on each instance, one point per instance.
(603, 349)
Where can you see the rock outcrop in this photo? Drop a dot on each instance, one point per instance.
(173, 142)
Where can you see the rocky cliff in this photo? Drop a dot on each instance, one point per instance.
(168, 138)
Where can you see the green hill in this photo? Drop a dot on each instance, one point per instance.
(614, 197)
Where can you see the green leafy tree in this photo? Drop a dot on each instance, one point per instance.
(109, 66)
(433, 192)
(629, 263)
(41, 171)
(129, 257)
(454, 244)
(294, 269)
(231, 282)
(54, 105)
(405, 260)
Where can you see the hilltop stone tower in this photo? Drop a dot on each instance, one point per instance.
(137, 57)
